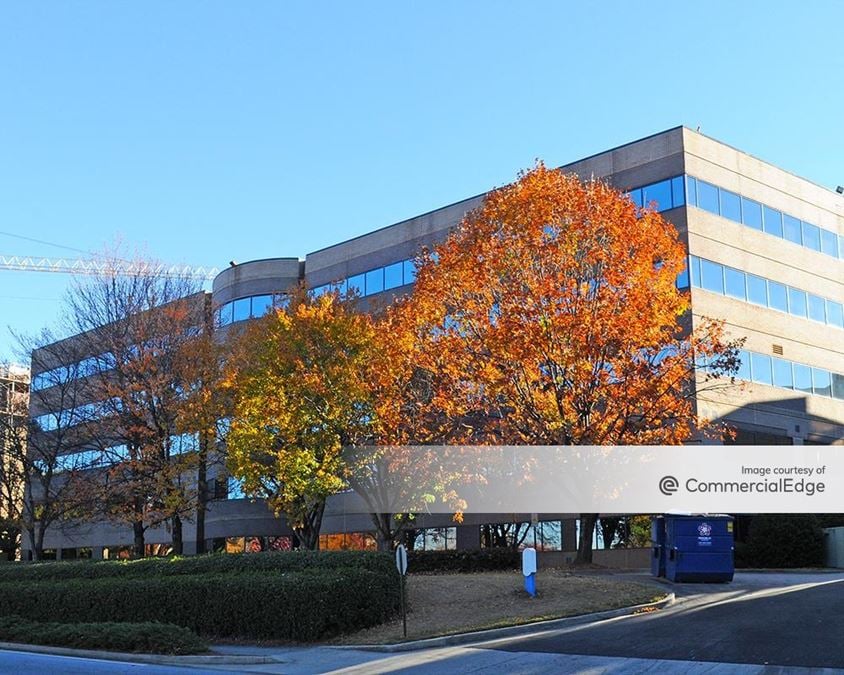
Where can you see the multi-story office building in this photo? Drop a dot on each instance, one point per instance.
(766, 255)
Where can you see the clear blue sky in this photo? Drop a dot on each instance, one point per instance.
(210, 131)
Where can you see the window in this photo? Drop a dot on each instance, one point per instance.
(683, 279)
(817, 308)
(261, 304)
(691, 190)
(712, 276)
(357, 284)
(694, 271)
(242, 309)
(782, 373)
(797, 302)
(636, 197)
(730, 205)
(678, 197)
(757, 290)
(393, 276)
(792, 229)
(773, 221)
(838, 386)
(375, 281)
(821, 382)
(835, 314)
(707, 197)
(409, 271)
(802, 378)
(657, 196)
(777, 296)
(734, 280)
(751, 213)
(225, 317)
(744, 365)
(829, 243)
(760, 365)
(811, 236)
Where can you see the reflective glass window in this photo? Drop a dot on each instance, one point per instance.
(393, 276)
(241, 309)
(636, 197)
(712, 276)
(409, 271)
(261, 304)
(657, 196)
(734, 281)
(683, 279)
(811, 236)
(760, 365)
(320, 290)
(355, 284)
(773, 221)
(375, 281)
(797, 302)
(678, 194)
(817, 308)
(782, 373)
(802, 378)
(226, 314)
(838, 386)
(751, 213)
(835, 314)
(821, 382)
(744, 365)
(694, 270)
(777, 296)
(829, 243)
(691, 190)
(707, 197)
(757, 290)
(792, 229)
(730, 205)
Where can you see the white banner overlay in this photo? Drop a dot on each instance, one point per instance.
(599, 479)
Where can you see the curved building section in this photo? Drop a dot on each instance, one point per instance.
(250, 289)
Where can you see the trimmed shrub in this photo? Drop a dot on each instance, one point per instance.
(215, 563)
(155, 638)
(476, 560)
(783, 541)
(303, 605)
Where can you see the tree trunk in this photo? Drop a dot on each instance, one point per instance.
(384, 533)
(201, 493)
(308, 529)
(38, 549)
(584, 546)
(178, 539)
(139, 543)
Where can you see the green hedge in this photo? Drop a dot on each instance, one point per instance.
(303, 605)
(779, 541)
(217, 563)
(155, 638)
(476, 560)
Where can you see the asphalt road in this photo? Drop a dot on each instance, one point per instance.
(763, 619)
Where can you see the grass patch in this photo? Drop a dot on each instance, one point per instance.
(149, 637)
(445, 604)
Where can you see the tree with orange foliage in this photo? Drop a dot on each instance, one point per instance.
(551, 316)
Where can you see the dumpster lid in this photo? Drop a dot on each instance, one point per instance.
(689, 514)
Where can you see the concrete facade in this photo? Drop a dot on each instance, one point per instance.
(761, 413)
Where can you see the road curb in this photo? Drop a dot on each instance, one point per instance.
(514, 631)
(157, 659)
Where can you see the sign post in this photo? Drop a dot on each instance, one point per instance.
(401, 566)
(529, 570)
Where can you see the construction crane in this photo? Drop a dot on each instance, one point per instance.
(23, 263)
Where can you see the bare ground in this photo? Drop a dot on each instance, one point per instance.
(441, 604)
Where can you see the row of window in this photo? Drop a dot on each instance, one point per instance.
(546, 535)
(374, 281)
(661, 196)
(69, 417)
(84, 368)
(250, 307)
(91, 458)
(786, 374)
(718, 278)
(764, 218)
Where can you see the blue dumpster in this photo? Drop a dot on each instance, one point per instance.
(658, 542)
(699, 547)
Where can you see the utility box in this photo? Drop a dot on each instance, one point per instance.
(658, 544)
(699, 548)
(834, 537)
